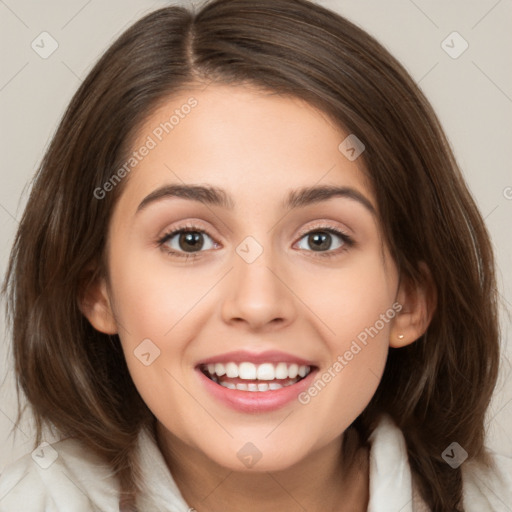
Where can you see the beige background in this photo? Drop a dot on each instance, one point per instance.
(472, 95)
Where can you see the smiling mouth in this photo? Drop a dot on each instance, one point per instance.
(247, 376)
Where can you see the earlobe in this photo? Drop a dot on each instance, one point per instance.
(95, 304)
(418, 301)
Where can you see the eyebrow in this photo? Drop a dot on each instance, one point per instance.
(215, 196)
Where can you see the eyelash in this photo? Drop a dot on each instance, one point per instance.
(347, 240)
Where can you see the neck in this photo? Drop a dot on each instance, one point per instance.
(330, 479)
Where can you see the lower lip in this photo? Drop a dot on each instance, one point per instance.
(256, 401)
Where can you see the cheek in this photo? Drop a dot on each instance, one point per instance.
(351, 299)
(346, 383)
(157, 307)
(342, 391)
(355, 306)
(152, 296)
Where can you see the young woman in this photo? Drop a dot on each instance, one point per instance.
(250, 276)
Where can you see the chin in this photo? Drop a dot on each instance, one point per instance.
(257, 457)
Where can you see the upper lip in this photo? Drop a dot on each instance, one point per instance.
(270, 356)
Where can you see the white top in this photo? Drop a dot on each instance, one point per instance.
(65, 477)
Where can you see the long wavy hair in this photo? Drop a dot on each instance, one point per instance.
(75, 378)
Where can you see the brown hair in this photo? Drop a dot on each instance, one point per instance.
(437, 389)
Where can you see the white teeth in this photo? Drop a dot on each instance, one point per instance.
(281, 371)
(228, 385)
(265, 371)
(232, 370)
(293, 371)
(247, 371)
(219, 369)
(252, 386)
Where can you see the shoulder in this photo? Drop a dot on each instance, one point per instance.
(63, 476)
(485, 486)
(488, 486)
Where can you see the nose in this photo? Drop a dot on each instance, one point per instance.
(258, 294)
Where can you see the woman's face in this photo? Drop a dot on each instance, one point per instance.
(262, 287)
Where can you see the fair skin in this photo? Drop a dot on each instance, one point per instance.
(257, 147)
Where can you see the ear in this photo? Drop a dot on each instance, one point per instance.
(95, 303)
(418, 300)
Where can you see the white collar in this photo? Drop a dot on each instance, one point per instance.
(391, 487)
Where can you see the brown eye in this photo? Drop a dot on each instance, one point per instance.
(191, 240)
(185, 241)
(322, 240)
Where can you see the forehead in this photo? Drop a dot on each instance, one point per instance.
(257, 145)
